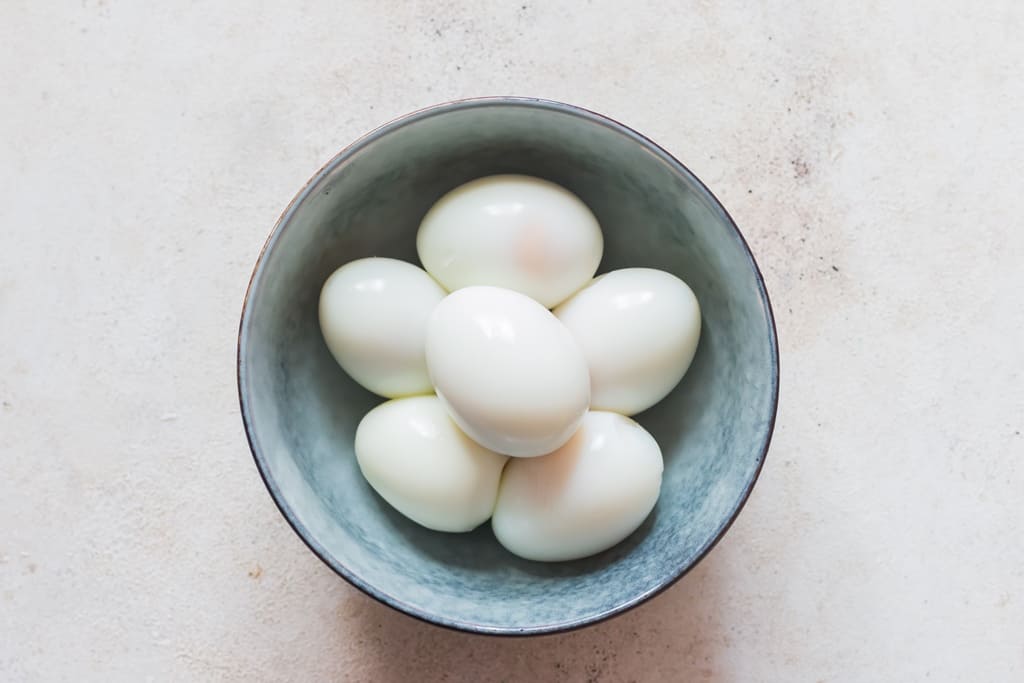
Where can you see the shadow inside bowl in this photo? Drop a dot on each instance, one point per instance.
(479, 551)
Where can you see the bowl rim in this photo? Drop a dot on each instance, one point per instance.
(245, 324)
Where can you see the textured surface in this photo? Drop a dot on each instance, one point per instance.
(870, 154)
(302, 411)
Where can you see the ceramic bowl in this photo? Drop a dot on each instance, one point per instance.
(300, 410)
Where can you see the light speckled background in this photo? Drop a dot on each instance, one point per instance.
(871, 155)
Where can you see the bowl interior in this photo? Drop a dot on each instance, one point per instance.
(301, 410)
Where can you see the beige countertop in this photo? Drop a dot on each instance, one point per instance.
(871, 153)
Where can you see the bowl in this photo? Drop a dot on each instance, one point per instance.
(300, 410)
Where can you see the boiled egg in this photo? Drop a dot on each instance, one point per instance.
(414, 456)
(510, 374)
(585, 497)
(638, 329)
(513, 231)
(373, 315)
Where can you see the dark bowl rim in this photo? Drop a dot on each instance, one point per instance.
(261, 464)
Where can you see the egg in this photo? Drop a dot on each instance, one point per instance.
(414, 456)
(373, 315)
(585, 497)
(510, 374)
(512, 231)
(638, 329)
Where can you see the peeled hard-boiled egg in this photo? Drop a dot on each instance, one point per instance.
(638, 329)
(513, 231)
(585, 497)
(414, 456)
(373, 315)
(510, 374)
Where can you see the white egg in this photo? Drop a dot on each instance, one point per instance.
(510, 374)
(512, 231)
(638, 329)
(585, 497)
(373, 315)
(414, 456)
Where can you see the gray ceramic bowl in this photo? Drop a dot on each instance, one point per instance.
(301, 410)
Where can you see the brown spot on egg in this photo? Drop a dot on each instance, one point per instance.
(531, 250)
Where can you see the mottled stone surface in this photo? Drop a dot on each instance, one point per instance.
(869, 153)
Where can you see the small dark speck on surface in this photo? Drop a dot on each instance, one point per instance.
(835, 269)
(800, 168)
(437, 32)
(256, 572)
(750, 192)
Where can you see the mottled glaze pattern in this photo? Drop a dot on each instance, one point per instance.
(301, 410)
